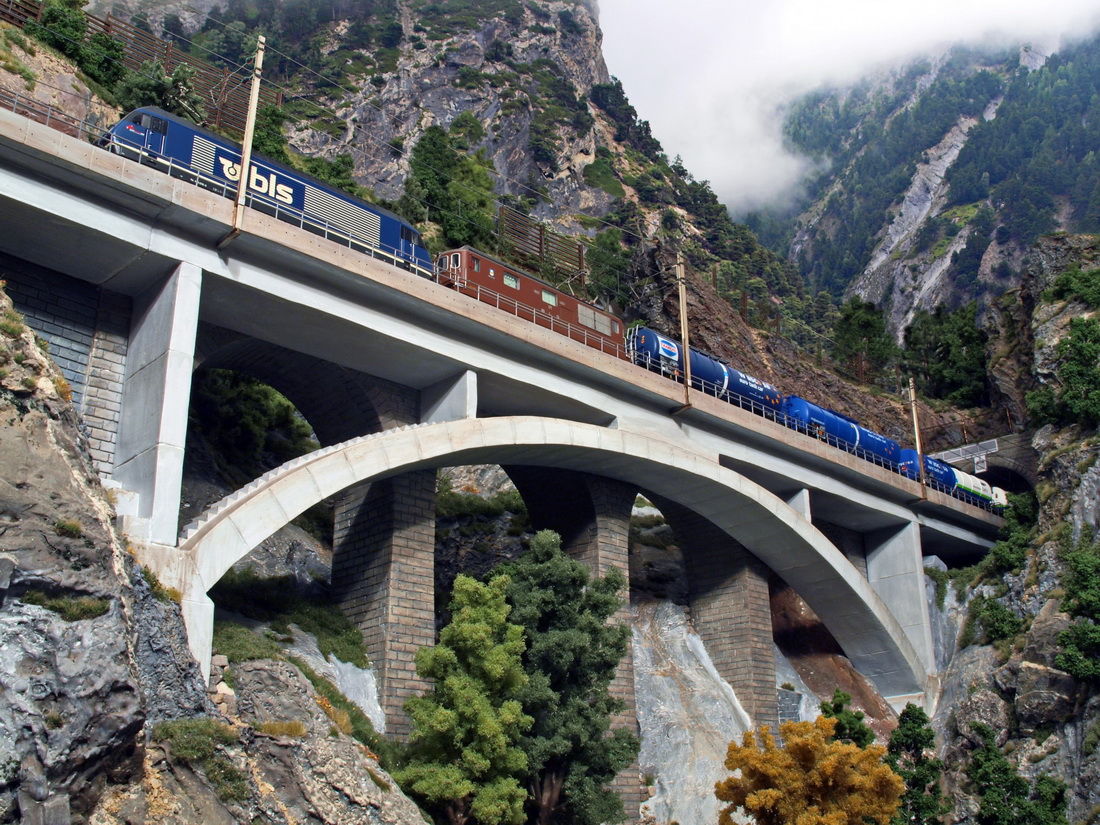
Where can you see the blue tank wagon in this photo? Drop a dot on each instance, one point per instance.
(829, 425)
(184, 150)
(659, 354)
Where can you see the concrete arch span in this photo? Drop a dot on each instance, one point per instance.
(776, 533)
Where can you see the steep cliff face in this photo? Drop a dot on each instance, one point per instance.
(1044, 719)
(505, 74)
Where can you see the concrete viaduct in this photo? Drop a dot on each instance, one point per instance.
(118, 267)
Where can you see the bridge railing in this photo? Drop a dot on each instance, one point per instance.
(798, 425)
(33, 108)
(508, 304)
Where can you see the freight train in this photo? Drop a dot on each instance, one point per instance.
(183, 150)
(506, 287)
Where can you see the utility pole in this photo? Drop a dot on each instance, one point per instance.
(246, 147)
(916, 438)
(681, 282)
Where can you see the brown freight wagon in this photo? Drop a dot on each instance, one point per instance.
(525, 296)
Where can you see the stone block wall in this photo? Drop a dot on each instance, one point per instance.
(87, 329)
(383, 574)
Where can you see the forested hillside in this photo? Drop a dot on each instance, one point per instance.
(935, 179)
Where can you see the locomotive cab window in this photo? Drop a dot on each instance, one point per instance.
(549, 297)
(456, 261)
(511, 280)
(475, 263)
(153, 124)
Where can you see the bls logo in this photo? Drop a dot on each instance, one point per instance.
(259, 182)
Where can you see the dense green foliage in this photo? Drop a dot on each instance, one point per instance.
(250, 426)
(1076, 284)
(1077, 400)
(908, 755)
(571, 658)
(945, 353)
(1005, 797)
(861, 343)
(1041, 146)
(850, 726)
(451, 189)
(988, 621)
(463, 758)
(1080, 654)
(150, 86)
(63, 26)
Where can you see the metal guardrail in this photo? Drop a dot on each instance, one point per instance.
(575, 332)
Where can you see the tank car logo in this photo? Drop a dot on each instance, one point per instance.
(263, 183)
(666, 348)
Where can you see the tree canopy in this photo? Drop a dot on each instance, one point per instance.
(912, 740)
(811, 780)
(571, 659)
(463, 758)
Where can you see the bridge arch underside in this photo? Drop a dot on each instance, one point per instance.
(779, 536)
(339, 403)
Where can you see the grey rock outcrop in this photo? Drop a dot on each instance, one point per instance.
(687, 713)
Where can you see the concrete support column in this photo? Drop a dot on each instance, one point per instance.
(730, 609)
(896, 572)
(155, 396)
(592, 515)
(383, 574)
(450, 399)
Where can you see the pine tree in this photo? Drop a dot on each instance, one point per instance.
(922, 803)
(463, 757)
(850, 726)
(571, 659)
(812, 780)
(1005, 796)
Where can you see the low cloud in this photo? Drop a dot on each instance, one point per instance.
(712, 78)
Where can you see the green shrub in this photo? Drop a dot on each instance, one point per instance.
(61, 26)
(239, 644)
(1076, 283)
(69, 528)
(195, 742)
(995, 621)
(69, 608)
(1080, 654)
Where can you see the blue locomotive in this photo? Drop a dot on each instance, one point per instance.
(184, 150)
